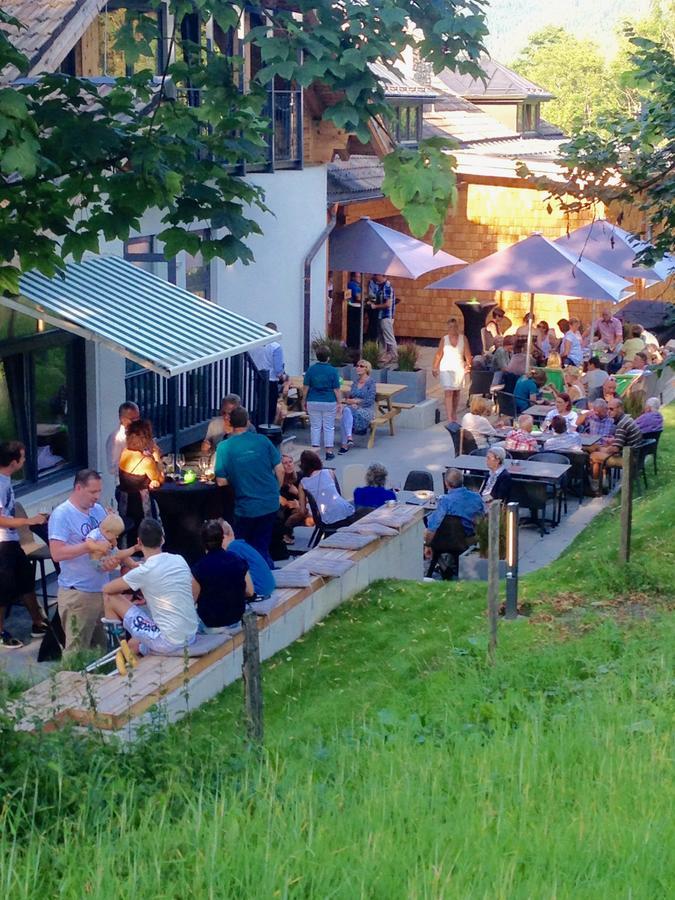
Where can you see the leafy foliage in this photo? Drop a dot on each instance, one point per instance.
(628, 161)
(79, 161)
(574, 71)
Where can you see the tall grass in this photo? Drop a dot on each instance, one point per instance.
(397, 763)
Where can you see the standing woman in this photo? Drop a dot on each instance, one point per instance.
(359, 408)
(571, 351)
(140, 472)
(451, 362)
(322, 396)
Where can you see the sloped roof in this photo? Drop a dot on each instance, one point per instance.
(517, 146)
(356, 178)
(398, 85)
(51, 29)
(454, 117)
(501, 83)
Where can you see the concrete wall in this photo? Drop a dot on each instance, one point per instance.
(271, 288)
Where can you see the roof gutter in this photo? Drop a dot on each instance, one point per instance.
(307, 284)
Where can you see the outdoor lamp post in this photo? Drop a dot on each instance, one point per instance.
(511, 561)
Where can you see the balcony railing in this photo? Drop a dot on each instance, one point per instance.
(180, 407)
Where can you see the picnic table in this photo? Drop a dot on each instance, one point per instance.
(384, 395)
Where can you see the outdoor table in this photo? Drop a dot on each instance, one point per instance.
(185, 507)
(411, 498)
(539, 411)
(522, 470)
(542, 436)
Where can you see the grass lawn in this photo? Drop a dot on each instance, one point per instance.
(397, 763)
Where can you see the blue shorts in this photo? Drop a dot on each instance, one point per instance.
(142, 626)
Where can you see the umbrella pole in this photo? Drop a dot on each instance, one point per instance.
(528, 357)
(592, 335)
(363, 303)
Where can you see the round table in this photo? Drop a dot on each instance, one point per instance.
(185, 507)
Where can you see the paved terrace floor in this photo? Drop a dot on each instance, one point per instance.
(408, 449)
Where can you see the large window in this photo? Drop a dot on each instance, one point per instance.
(145, 253)
(407, 124)
(42, 395)
(112, 61)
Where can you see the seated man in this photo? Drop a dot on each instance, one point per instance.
(597, 422)
(651, 419)
(170, 621)
(458, 501)
(637, 366)
(626, 434)
(521, 437)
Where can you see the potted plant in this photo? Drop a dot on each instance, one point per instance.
(408, 373)
(372, 353)
(338, 353)
(473, 563)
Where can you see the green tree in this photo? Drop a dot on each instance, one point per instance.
(77, 163)
(573, 70)
(628, 161)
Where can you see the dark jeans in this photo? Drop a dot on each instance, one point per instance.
(257, 531)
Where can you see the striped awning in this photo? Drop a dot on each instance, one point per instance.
(161, 327)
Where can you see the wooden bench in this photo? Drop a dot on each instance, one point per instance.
(163, 688)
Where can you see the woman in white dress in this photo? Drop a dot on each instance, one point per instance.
(452, 360)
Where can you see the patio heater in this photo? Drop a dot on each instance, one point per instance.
(511, 561)
(475, 314)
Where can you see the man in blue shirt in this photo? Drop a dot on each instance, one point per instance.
(252, 465)
(271, 357)
(262, 578)
(382, 293)
(458, 501)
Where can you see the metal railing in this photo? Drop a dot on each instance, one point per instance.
(180, 407)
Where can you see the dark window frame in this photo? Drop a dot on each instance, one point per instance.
(26, 350)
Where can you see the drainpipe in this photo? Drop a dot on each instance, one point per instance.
(307, 283)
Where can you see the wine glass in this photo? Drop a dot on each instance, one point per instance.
(180, 461)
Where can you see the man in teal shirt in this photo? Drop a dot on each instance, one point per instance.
(251, 464)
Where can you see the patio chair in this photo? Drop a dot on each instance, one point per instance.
(506, 404)
(577, 476)
(454, 431)
(450, 539)
(557, 494)
(481, 381)
(419, 480)
(532, 495)
(353, 476)
(614, 464)
(653, 450)
(37, 553)
(321, 528)
(467, 442)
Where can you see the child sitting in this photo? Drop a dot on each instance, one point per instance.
(108, 532)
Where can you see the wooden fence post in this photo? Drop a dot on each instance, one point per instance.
(252, 676)
(493, 576)
(626, 503)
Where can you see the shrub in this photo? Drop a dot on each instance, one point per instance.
(372, 354)
(482, 534)
(408, 357)
(338, 353)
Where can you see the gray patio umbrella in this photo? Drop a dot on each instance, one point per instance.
(369, 246)
(536, 265)
(609, 246)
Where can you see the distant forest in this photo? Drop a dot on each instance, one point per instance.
(511, 22)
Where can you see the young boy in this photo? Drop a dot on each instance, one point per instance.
(17, 579)
(109, 531)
